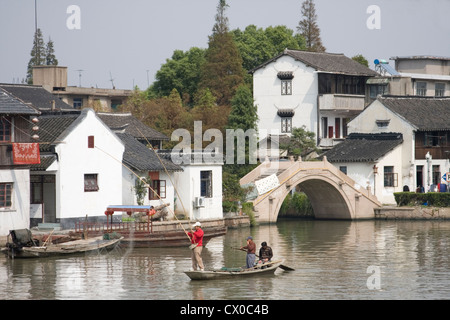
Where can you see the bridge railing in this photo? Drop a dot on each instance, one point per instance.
(291, 168)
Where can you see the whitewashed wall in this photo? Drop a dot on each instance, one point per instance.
(76, 160)
(188, 187)
(267, 95)
(18, 216)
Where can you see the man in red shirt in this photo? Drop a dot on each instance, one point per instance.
(197, 238)
(251, 249)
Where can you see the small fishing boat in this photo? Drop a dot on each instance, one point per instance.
(24, 246)
(226, 273)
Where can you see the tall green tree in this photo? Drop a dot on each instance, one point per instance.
(222, 71)
(243, 115)
(50, 58)
(309, 28)
(41, 54)
(38, 53)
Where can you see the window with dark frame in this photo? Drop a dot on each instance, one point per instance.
(390, 177)
(206, 184)
(6, 195)
(421, 88)
(77, 103)
(436, 178)
(91, 182)
(286, 124)
(439, 89)
(5, 129)
(286, 87)
(159, 190)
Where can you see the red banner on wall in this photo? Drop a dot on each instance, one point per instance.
(26, 153)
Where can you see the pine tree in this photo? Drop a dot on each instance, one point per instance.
(308, 27)
(50, 57)
(38, 53)
(222, 71)
(41, 54)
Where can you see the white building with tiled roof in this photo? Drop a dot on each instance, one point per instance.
(422, 160)
(320, 91)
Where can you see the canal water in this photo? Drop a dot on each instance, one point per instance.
(332, 259)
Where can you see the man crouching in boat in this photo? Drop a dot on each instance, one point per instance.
(196, 236)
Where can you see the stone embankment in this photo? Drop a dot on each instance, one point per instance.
(412, 213)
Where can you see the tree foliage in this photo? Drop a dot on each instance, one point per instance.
(257, 45)
(309, 28)
(360, 58)
(302, 142)
(182, 72)
(222, 71)
(41, 54)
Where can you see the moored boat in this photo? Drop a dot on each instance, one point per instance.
(226, 273)
(142, 233)
(23, 246)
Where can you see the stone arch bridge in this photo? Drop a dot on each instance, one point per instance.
(332, 193)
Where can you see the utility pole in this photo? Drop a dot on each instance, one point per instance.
(79, 77)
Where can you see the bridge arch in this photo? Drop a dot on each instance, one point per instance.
(332, 193)
(327, 198)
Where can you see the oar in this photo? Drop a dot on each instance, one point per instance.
(282, 266)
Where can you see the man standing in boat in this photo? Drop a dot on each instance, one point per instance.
(251, 250)
(196, 236)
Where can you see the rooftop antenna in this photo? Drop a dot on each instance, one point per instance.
(79, 77)
(112, 80)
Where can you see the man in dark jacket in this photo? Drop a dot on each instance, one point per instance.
(265, 253)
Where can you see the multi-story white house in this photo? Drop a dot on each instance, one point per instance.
(321, 91)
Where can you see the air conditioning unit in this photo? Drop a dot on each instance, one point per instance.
(199, 202)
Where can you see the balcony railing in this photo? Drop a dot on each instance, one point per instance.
(341, 102)
(435, 152)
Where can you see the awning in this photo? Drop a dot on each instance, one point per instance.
(285, 75)
(284, 113)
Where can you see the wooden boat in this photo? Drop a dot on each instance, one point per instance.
(226, 273)
(140, 233)
(26, 247)
(161, 239)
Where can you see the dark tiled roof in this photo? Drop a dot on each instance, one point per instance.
(139, 157)
(425, 113)
(326, 62)
(364, 147)
(37, 96)
(127, 123)
(46, 161)
(11, 105)
(51, 127)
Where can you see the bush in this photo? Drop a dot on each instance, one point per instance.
(247, 208)
(296, 205)
(435, 199)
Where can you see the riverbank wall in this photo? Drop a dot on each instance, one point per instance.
(412, 213)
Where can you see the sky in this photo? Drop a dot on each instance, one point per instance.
(125, 42)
